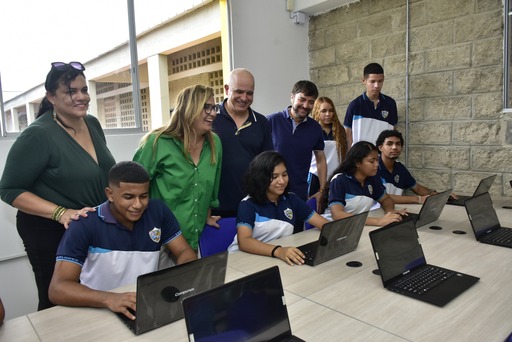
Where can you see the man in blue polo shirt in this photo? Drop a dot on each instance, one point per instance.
(372, 112)
(115, 244)
(244, 134)
(395, 176)
(296, 136)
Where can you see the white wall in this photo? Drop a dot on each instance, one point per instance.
(266, 41)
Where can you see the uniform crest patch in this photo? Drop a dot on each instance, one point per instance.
(370, 189)
(155, 234)
(385, 114)
(288, 213)
(397, 179)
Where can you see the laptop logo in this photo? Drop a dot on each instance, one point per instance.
(341, 238)
(171, 294)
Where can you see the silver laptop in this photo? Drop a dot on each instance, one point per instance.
(485, 222)
(252, 308)
(483, 187)
(431, 209)
(404, 269)
(336, 239)
(160, 293)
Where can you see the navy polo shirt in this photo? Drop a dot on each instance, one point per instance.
(346, 190)
(398, 180)
(296, 147)
(239, 147)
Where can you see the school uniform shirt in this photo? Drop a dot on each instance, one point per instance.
(366, 121)
(112, 255)
(397, 181)
(270, 221)
(344, 189)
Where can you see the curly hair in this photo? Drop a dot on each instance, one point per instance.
(338, 132)
(259, 175)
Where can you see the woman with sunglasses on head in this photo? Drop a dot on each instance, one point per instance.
(270, 212)
(183, 159)
(56, 170)
(355, 187)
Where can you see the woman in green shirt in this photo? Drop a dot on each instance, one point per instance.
(183, 159)
(56, 170)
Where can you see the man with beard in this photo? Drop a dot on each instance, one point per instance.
(395, 176)
(372, 112)
(296, 136)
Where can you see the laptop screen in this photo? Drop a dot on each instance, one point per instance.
(432, 208)
(484, 185)
(397, 249)
(248, 309)
(482, 215)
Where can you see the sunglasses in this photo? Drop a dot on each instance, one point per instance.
(208, 108)
(61, 66)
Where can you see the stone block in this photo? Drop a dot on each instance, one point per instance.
(478, 26)
(317, 40)
(377, 25)
(449, 57)
(488, 5)
(431, 36)
(440, 10)
(358, 50)
(341, 33)
(466, 182)
(388, 45)
(487, 106)
(476, 133)
(332, 75)
(446, 157)
(448, 108)
(478, 80)
(428, 85)
(322, 57)
(488, 51)
(433, 133)
(417, 109)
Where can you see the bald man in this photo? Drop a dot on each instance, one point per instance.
(244, 134)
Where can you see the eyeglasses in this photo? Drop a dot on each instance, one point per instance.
(208, 108)
(63, 66)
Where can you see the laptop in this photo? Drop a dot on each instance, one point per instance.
(336, 239)
(483, 187)
(431, 208)
(160, 293)
(485, 222)
(403, 267)
(252, 308)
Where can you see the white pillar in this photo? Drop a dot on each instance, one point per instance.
(31, 112)
(158, 90)
(93, 105)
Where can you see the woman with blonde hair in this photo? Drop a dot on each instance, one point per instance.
(183, 159)
(335, 140)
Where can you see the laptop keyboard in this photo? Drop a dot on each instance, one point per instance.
(309, 254)
(423, 280)
(500, 236)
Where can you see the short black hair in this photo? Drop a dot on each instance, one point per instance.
(127, 172)
(259, 175)
(389, 133)
(373, 68)
(308, 88)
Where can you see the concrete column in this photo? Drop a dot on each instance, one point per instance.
(31, 112)
(14, 124)
(159, 90)
(93, 105)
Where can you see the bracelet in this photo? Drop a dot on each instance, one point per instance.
(58, 212)
(321, 191)
(273, 251)
(419, 199)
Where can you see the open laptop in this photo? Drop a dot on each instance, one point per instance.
(485, 222)
(483, 187)
(252, 308)
(160, 293)
(336, 239)
(404, 269)
(431, 209)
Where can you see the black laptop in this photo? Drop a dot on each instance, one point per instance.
(483, 187)
(252, 308)
(404, 270)
(336, 239)
(485, 222)
(160, 293)
(431, 209)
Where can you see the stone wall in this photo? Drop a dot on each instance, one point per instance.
(457, 131)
